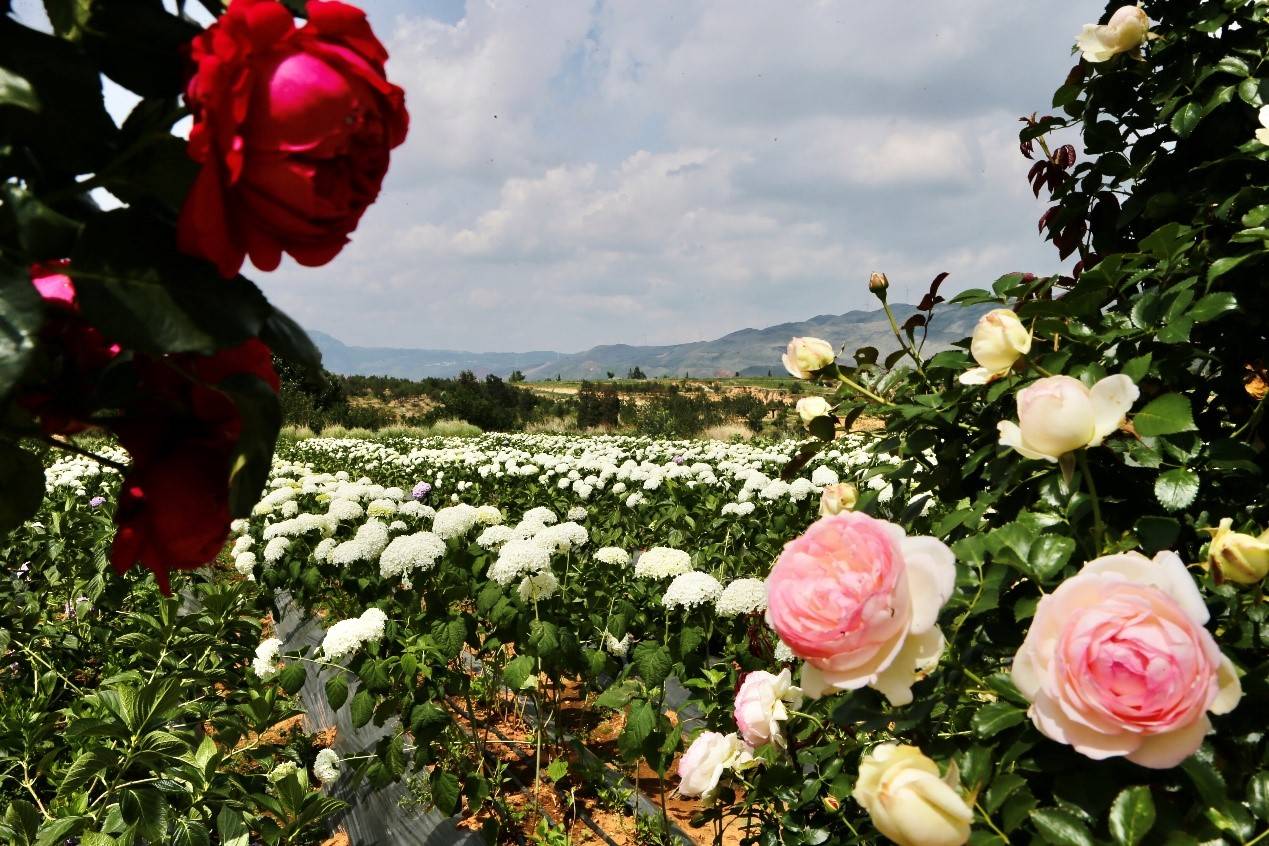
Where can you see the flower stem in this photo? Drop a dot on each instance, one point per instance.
(851, 383)
(990, 824)
(1099, 528)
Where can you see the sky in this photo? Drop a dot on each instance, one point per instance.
(582, 172)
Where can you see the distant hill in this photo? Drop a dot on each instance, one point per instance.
(752, 352)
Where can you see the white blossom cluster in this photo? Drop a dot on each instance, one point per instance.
(454, 521)
(366, 545)
(347, 636)
(612, 555)
(326, 766)
(518, 558)
(266, 660)
(692, 589)
(661, 562)
(538, 586)
(743, 596)
(406, 554)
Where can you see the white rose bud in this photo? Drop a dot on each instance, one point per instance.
(999, 340)
(810, 408)
(838, 498)
(1125, 31)
(806, 355)
(908, 802)
(710, 755)
(1058, 415)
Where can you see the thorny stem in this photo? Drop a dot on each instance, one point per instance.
(898, 334)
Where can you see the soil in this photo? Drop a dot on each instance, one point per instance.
(599, 732)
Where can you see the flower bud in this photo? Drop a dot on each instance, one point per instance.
(1125, 31)
(807, 355)
(838, 498)
(908, 802)
(1238, 557)
(831, 804)
(810, 408)
(878, 282)
(998, 341)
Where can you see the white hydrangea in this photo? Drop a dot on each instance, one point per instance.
(282, 770)
(617, 648)
(824, 476)
(526, 530)
(518, 557)
(618, 488)
(408, 553)
(740, 509)
(743, 596)
(272, 500)
(783, 653)
(454, 521)
(322, 553)
(577, 512)
(691, 589)
(367, 545)
(275, 549)
(635, 500)
(242, 544)
(394, 493)
(414, 508)
(382, 508)
(347, 636)
(541, 514)
(538, 586)
(239, 526)
(326, 766)
(245, 563)
(289, 508)
(341, 510)
(800, 489)
(488, 515)
(398, 526)
(563, 536)
(495, 536)
(774, 490)
(613, 555)
(660, 562)
(266, 663)
(301, 524)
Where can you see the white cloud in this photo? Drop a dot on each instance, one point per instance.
(671, 170)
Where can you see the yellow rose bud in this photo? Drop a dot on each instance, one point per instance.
(807, 355)
(998, 341)
(908, 802)
(810, 408)
(1238, 557)
(878, 282)
(838, 498)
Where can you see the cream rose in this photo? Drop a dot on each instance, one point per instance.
(763, 703)
(710, 755)
(1238, 557)
(1125, 31)
(810, 408)
(998, 341)
(806, 355)
(859, 601)
(908, 802)
(1262, 134)
(1057, 415)
(1117, 662)
(838, 498)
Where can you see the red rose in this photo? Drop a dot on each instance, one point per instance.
(173, 509)
(292, 127)
(63, 400)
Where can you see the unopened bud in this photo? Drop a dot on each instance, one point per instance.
(838, 498)
(878, 282)
(832, 804)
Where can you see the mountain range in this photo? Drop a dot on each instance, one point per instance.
(750, 352)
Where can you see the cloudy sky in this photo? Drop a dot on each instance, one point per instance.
(654, 171)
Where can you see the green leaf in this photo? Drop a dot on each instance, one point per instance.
(1176, 489)
(56, 832)
(447, 791)
(639, 726)
(1233, 65)
(1224, 265)
(16, 91)
(995, 717)
(1186, 119)
(1049, 555)
(1061, 828)
(139, 46)
(1137, 368)
(518, 672)
(653, 662)
(21, 313)
(1258, 794)
(1156, 533)
(291, 678)
(21, 485)
(617, 695)
(1165, 415)
(1131, 815)
(231, 828)
(1211, 306)
(426, 720)
(557, 769)
(361, 709)
(336, 691)
(449, 637)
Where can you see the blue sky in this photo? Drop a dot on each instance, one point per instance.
(582, 172)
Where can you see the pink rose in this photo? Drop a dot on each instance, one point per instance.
(762, 703)
(859, 601)
(1117, 662)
